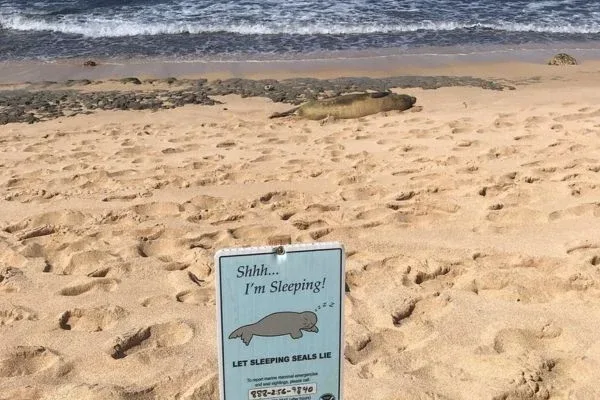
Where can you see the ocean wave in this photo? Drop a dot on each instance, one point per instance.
(100, 27)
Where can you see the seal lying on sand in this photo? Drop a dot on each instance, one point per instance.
(278, 324)
(351, 106)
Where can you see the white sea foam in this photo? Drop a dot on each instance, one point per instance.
(96, 27)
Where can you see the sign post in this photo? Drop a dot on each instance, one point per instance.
(280, 322)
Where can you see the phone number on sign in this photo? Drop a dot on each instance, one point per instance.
(282, 391)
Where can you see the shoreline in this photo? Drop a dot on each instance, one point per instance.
(489, 62)
(52, 90)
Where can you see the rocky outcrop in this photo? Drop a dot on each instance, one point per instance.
(562, 59)
(48, 100)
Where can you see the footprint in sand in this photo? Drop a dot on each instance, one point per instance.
(156, 301)
(321, 208)
(15, 314)
(403, 311)
(313, 235)
(98, 284)
(94, 263)
(504, 121)
(203, 297)
(253, 232)
(278, 197)
(161, 247)
(29, 360)
(174, 266)
(520, 341)
(463, 125)
(206, 387)
(352, 179)
(209, 240)
(363, 193)
(358, 339)
(581, 246)
(582, 210)
(158, 210)
(151, 338)
(515, 278)
(44, 224)
(535, 121)
(303, 225)
(101, 392)
(226, 219)
(583, 114)
(374, 214)
(503, 217)
(11, 279)
(430, 270)
(531, 383)
(91, 320)
(373, 351)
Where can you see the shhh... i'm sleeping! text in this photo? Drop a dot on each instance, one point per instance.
(277, 286)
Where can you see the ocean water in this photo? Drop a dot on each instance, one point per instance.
(276, 29)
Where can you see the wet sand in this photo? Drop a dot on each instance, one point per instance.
(499, 61)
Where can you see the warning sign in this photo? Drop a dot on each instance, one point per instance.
(280, 322)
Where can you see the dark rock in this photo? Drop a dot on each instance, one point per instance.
(121, 102)
(562, 59)
(30, 118)
(133, 80)
(90, 63)
(134, 105)
(75, 82)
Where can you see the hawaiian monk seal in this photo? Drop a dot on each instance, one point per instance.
(278, 324)
(351, 106)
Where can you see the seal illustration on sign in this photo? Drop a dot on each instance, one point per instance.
(278, 324)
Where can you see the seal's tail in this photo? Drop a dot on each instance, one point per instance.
(243, 333)
(284, 114)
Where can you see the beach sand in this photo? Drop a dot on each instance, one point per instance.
(471, 225)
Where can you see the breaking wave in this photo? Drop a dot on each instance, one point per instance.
(99, 27)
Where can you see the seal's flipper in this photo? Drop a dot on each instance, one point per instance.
(247, 337)
(284, 114)
(378, 95)
(296, 335)
(312, 329)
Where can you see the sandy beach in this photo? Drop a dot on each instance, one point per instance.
(470, 224)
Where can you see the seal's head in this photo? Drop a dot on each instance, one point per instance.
(403, 101)
(309, 319)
